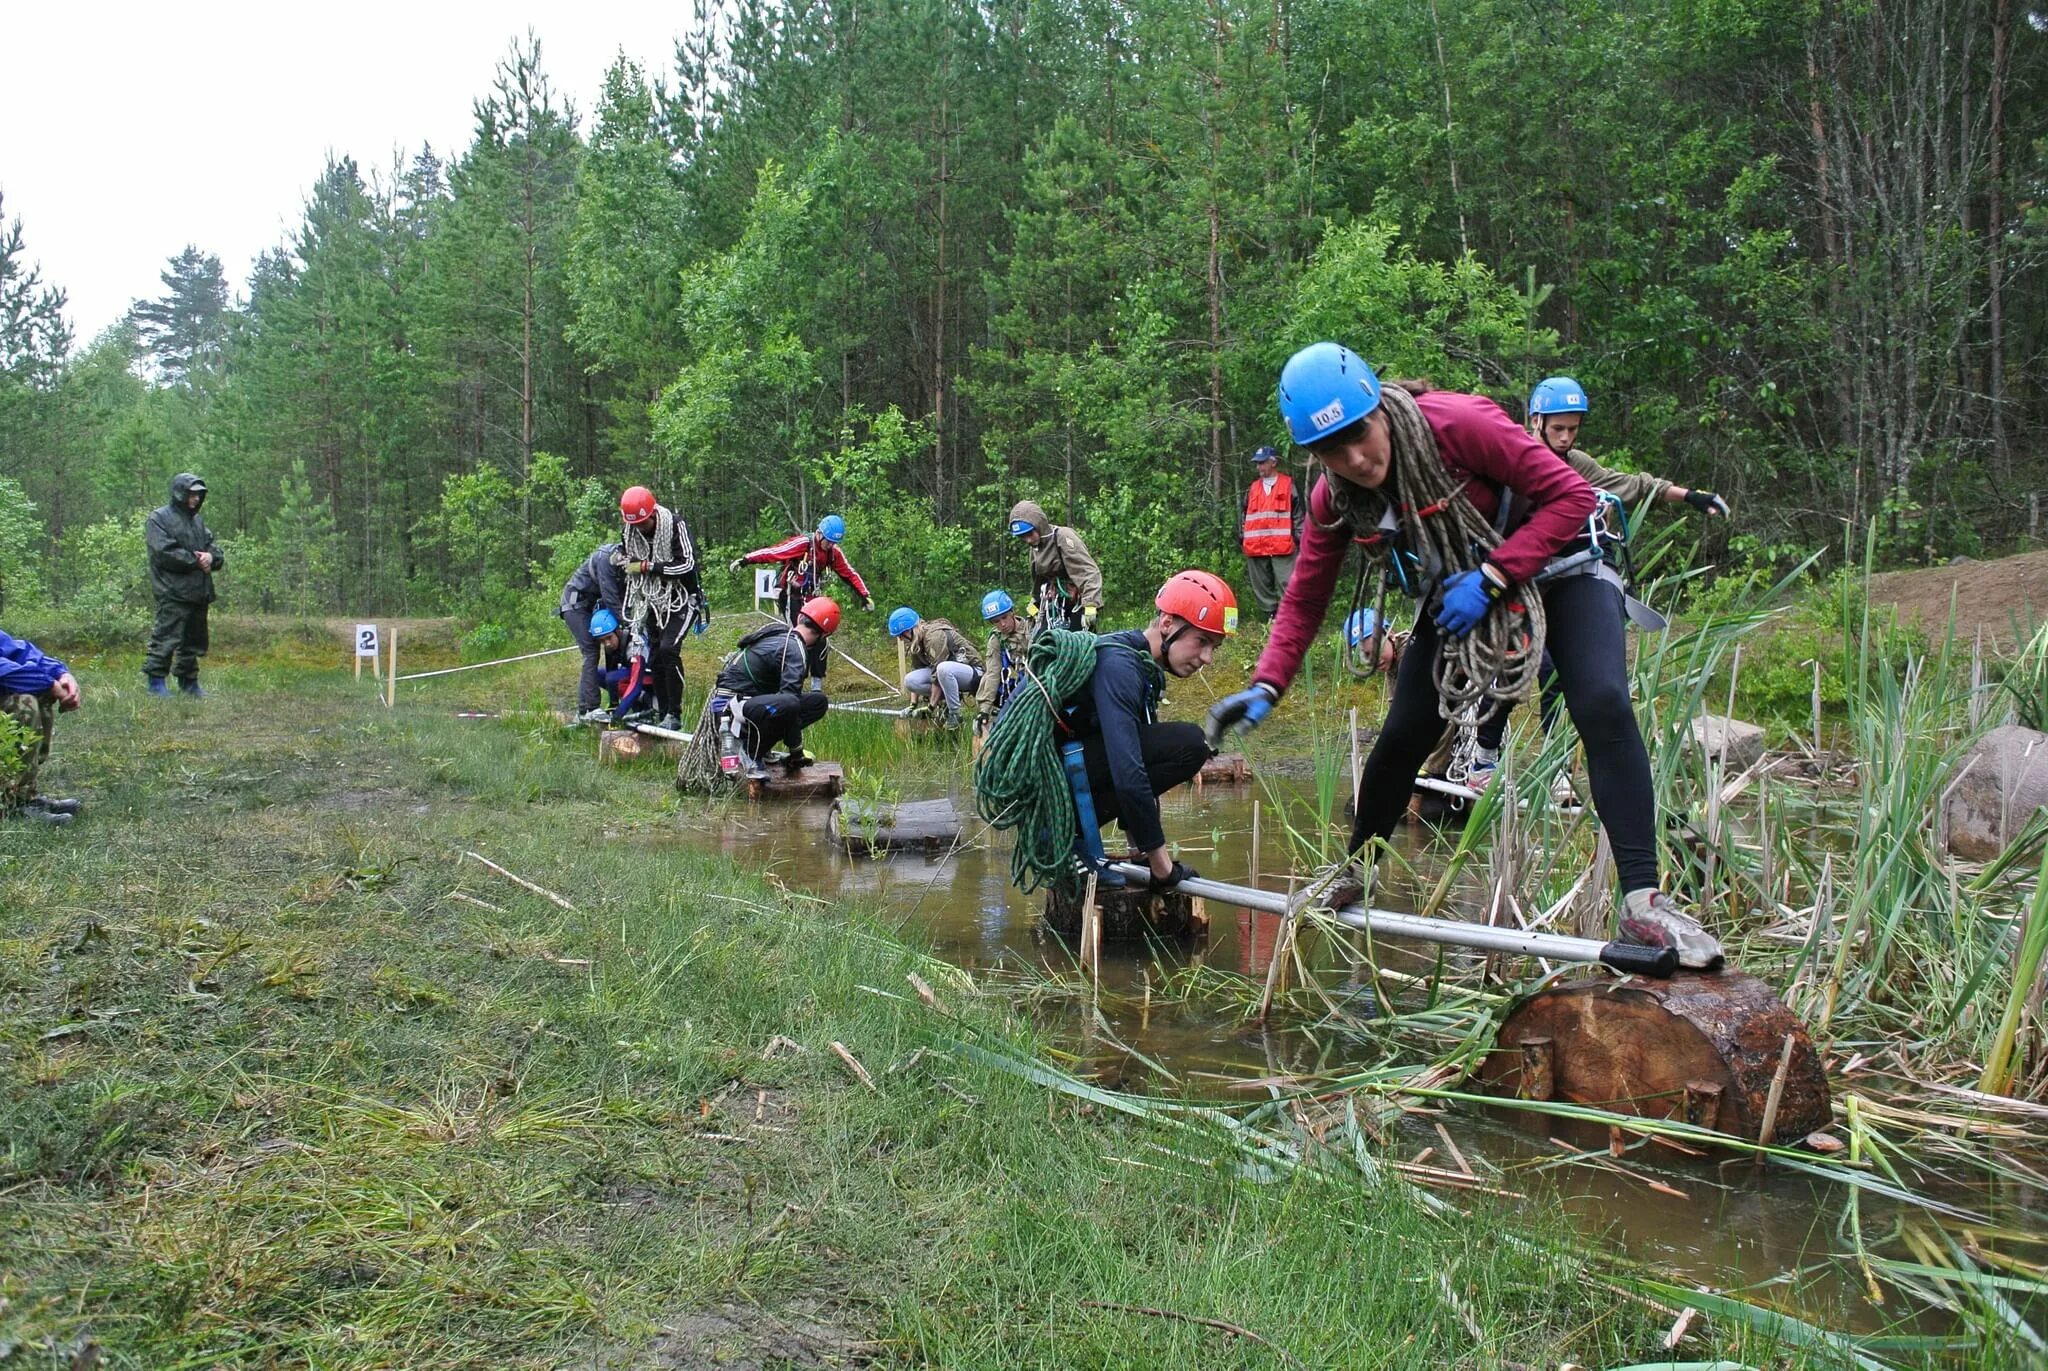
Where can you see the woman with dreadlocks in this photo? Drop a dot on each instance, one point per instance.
(1424, 475)
(663, 598)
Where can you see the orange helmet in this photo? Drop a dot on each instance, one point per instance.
(637, 504)
(823, 611)
(1202, 600)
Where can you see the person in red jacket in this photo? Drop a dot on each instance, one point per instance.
(1365, 438)
(805, 559)
(1271, 516)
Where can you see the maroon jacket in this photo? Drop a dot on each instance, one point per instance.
(1478, 442)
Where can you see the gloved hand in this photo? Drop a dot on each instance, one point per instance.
(1245, 710)
(1467, 597)
(1706, 502)
(735, 564)
(1088, 613)
(867, 602)
(1181, 872)
(617, 559)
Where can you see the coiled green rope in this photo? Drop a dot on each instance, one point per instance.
(1019, 780)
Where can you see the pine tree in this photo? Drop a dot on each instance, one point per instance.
(182, 330)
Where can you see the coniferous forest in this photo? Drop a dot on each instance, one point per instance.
(911, 260)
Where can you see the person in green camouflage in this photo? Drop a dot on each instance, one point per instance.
(183, 559)
(34, 689)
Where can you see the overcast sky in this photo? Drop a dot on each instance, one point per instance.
(130, 130)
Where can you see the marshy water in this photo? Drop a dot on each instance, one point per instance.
(1158, 1024)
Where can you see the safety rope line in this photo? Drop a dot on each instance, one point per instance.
(479, 666)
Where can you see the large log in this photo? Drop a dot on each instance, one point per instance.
(863, 827)
(625, 744)
(1129, 914)
(1699, 1046)
(818, 781)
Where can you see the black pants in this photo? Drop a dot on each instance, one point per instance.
(1173, 754)
(1494, 727)
(665, 662)
(1586, 647)
(177, 637)
(766, 720)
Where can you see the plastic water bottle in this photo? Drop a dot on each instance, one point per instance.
(727, 720)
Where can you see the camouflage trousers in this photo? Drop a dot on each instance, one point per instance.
(25, 725)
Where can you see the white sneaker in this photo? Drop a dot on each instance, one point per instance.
(1564, 796)
(1650, 918)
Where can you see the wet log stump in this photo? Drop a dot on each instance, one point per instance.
(863, 828)
(1228, 768)
(818, 781)
(625, 744)
(1699, 1047)
(1129, 914)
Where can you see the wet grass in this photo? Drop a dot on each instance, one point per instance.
(286, 1078)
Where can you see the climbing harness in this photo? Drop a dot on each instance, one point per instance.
(1432, 533)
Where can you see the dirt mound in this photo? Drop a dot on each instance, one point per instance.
(2004, 597)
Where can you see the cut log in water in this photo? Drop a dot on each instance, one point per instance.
(1227, 768)
(1704, 1048)
(863, 827)
(1129, 914)
(818, 781)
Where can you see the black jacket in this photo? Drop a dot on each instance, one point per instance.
(771, 661)
(176, 536)
(597, 582)
(1122, 697)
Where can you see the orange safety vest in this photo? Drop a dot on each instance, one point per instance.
(1269, 518)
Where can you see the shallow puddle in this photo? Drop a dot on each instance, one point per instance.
(1728, 1224)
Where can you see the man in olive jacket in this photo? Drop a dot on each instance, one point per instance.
(183, 558)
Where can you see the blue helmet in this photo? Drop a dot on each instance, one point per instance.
(995, 605)
(832, 528)
(902, 619)
(1268, 453)
(1020, 527)
(1557, 395)
(603, 622)
(1323, 388)
(1362, 624)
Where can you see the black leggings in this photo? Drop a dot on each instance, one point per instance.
(1173, 754)
(1586, 647)
(665, 662)
(1494, 727)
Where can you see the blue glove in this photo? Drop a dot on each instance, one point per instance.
(1245, 710)
(1467, 597)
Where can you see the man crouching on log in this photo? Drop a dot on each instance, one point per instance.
(763, 680)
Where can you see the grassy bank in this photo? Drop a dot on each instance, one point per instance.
(285, 1079)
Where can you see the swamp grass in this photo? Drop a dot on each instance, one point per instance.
(286, 1079)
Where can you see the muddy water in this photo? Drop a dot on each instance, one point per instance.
(1729, 1226)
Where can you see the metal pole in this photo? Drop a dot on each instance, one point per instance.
(1556, 947)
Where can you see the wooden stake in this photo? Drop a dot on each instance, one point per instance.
(1356, 772)
(903, 665)
(1769, 1128)
(1091, 932)
(359, 662)
(1255, 844)
(391, 673)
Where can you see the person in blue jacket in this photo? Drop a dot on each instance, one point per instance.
(34, 689)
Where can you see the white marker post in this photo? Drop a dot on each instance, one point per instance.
(367, 646)
(767, 585)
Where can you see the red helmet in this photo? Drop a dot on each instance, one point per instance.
(823, 611)
(637, 505)
(1204, 601)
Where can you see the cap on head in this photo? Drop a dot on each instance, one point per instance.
(1265, 454)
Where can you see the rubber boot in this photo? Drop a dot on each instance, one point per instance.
(157, 687)
(191, 689)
